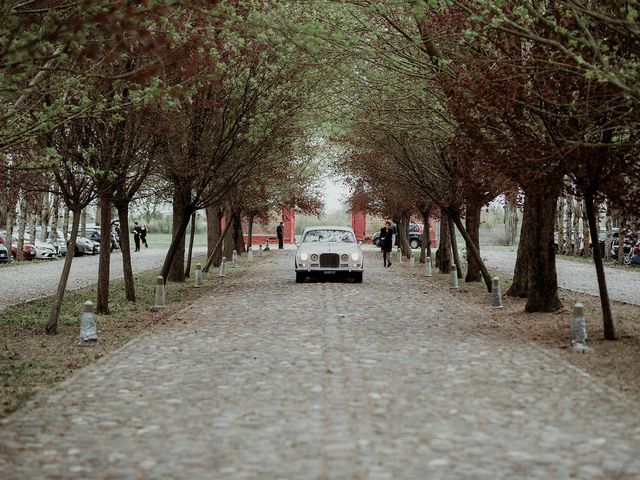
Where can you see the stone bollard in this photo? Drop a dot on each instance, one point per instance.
(427, 267)
(88, 332)
(454, 276)
(398, 255)
(496, 294)
(250, 255)
(198, 275)
(161, 299)
(223, 266)
(266, 246)
(579, 329)
(260, 250)
(234, 259)
(412, 262)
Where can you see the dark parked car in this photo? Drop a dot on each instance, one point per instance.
(94, 234)
(4, 254)
(415, 236)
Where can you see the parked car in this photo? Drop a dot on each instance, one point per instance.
(59, 245)
(325, 251)
(45, 250)
(93, 233)
(4, 254)
(28, 250)
(415, 236)
(85, 246)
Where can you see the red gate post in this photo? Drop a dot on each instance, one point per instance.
(359, 225)
(289, 224)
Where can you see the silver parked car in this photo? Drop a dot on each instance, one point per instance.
(327, 251)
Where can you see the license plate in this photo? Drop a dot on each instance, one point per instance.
(329, 272)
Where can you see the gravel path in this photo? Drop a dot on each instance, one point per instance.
(21, 282)
(623, 285)
(266, 379)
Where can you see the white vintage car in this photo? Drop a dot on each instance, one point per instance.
(329, 251)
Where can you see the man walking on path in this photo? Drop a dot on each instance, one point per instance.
(280, 234)
(136, 236)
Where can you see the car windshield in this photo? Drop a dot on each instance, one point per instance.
(329, 235)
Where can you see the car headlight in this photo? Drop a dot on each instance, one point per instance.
(304, 256)
(314, 257)
(355, 256)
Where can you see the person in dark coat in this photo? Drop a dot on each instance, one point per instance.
(386, 243)
(143, 235)
(136, 236)
(280, 234)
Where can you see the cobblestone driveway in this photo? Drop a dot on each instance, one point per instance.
(269, 379)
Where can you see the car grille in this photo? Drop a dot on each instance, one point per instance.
(329, 260)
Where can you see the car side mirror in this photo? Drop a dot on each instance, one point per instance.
(360, 243)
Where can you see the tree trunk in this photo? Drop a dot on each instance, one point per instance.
(577, 216)
(560, 222)
(44, 217)
(443, 254)
(217, 249)
(228, 242)
(123, 219)
(104, 261)
(607, 316)
(609, 236)
(65, 223)
(54, 217)
(33, 222)
(403, 236)
(567, 243)
(187, 271)
(520, 283)
(51, 328)
(510, 221)
(176, 249)
(83, 222)
(586, 235)
(238, 238)
(472, 224)
(22, 221)
(543, 282)
(425, 246)
(455, 216)
(214, 232)
(250, 231)
(454, 248)
(182, 211)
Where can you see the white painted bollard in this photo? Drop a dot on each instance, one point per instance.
(454, 276)
(398, 255)
(412, 262)
(579, 329)
(88, 331)
(496, 293)
(198, 275)
(161, 299)
(234, 259)
(250, 255)
(223, 266)
(260, 250)
(427, 267)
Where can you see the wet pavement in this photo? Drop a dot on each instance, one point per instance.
(266, 379)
